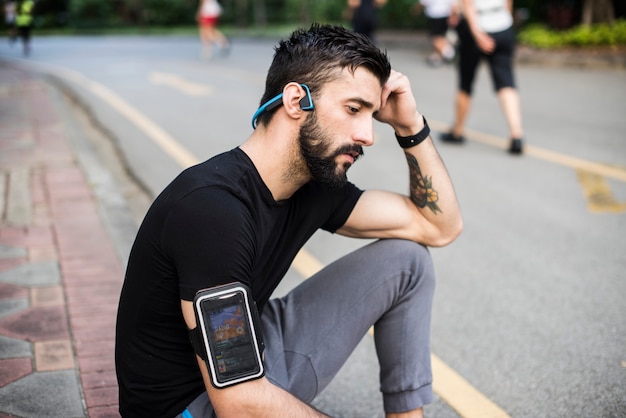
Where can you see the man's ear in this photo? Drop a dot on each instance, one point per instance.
(293, 93)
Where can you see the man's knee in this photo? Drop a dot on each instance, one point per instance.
(412, 257)
(406, 250)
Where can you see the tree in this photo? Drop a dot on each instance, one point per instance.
(597, 11)
(260, 13)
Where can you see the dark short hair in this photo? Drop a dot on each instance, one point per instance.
(317, 55)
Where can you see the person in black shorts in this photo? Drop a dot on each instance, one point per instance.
(487, 33)
(242, 217)
(363, 15)
(441, 15)
(443, 51)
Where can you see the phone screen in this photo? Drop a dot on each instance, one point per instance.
(232, 345)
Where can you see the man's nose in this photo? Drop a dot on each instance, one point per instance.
(365, 135)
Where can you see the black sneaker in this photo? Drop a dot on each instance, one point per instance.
(516, 146)
(451, 138)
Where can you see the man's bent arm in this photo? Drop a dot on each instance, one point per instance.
(255, 399)
(430, 213)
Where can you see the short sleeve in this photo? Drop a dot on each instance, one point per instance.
(343, 202)
(207, 236)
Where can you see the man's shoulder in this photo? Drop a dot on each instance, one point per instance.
(230, 173)
(221, 169)
(233, 159)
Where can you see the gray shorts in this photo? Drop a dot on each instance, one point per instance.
(388, 284)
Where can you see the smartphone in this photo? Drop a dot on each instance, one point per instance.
(230, 331)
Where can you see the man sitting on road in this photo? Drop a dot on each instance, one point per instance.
(242, 216)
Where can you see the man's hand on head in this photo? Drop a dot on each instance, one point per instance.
(398, 106)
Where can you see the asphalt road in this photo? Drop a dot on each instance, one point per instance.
(529, 307)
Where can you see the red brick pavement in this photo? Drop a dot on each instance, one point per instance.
(77, 314)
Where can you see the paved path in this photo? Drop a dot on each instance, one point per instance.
(60, 276)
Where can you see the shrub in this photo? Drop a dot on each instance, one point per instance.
(90, 13)
(168, 12)
(103, 13)
(603, 34)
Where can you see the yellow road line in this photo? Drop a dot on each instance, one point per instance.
(577, 163)
(180, 84)
(616, 173)
(598, 193)
(305, 264)
(461, 395)
(157, 134)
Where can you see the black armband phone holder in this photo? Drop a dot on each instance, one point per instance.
(228, 334)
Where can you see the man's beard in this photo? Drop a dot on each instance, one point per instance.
(314, 148)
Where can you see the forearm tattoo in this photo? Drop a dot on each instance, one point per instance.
(422, 192)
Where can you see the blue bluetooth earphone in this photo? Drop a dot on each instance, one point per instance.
(306, 103)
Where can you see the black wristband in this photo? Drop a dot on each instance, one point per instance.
(413, 140)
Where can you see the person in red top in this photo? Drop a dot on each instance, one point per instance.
(207, 16)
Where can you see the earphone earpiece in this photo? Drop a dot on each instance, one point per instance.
(306, 103)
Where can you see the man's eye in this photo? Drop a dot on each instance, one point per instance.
(353, 109)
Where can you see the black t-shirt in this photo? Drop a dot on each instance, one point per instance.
(216, 223)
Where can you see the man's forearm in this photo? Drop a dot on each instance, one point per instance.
(422, 193)
(431, 189)
(260, 399)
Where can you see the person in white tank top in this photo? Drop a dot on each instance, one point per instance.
(486, 33)
(493, 15)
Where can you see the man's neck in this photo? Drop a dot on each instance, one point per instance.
(278, 162)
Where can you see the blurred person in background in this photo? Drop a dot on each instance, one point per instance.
(363, 15)
(24, 20)
(441, 15)
(207, 16)
(486, 32)
(9, 19)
